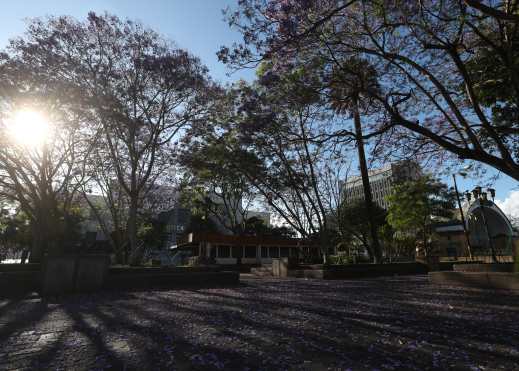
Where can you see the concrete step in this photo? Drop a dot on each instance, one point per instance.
(262, 274)
(263, 271)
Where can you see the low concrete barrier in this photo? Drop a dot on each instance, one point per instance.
(281, 267)
(242, 268)
(18, 283)
(58, 275)
(448, 265)
(308, 273)
(482, 280)
(163, 279)
(68, 274)
(116, 270)
(91, 272)
(18, 267)
(73, 273)
(348, 271)
(18, 279)
(484, 267)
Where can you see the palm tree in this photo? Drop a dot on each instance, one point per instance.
(349, 87)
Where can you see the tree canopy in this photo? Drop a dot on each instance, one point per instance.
(436, 92)
(416, 205)
(130, 91)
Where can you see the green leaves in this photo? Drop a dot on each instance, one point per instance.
(415, 205)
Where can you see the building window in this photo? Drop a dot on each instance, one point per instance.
(237, 252)
(224, 252)
(274, 252)
(212, 252)
(250, 251)
(451, 251)
(453, 247)
(284, 252)
(264, 252)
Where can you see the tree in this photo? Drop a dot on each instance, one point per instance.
(256, 227)
(303, 172)
(355, 222)
(215, 185)
(261, 137)
(425, 53)
(416, 205)
(199, 223)
(110, 203)
(42, 178)
(348, 87)
(136, 89)
(270, 143)
(15, 234)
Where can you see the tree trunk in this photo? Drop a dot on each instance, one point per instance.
(132, 229)
(324, 245)
(37, 244)
(23, 258)
(135, 253)
(118, 246)
(368, 197)
(369, 249)
(425, 246)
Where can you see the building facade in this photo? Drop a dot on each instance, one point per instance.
(382, 181)
(449, 243)
(228, 249)
(178, 219)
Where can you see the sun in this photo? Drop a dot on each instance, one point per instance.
(29, 128)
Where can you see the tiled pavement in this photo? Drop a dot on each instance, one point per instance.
(390, 323)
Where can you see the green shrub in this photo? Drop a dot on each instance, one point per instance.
(340, 259)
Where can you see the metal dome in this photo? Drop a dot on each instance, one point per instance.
(486, 220)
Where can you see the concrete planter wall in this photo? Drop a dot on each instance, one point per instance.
(483, 275)
(67, 274)
(357, 270)
(16, 283)
(18, 279)
(92, 272)
(166, 278)
(57, 275)
(17, 267)
(281, 266)
(124, 270)
(70, 274)
(484, 267)
(481, 280)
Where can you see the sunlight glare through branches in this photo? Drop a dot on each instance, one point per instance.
(29, 128)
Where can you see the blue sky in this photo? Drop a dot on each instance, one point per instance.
(196, 25)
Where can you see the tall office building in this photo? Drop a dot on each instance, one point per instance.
(382, 181)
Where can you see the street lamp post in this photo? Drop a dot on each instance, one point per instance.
(465, 232)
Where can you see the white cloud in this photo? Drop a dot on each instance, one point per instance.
(510, 205)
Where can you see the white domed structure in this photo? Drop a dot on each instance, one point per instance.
(489, 228)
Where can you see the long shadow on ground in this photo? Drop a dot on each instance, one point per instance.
(391, 323)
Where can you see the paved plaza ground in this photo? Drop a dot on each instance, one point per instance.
(267, 324)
